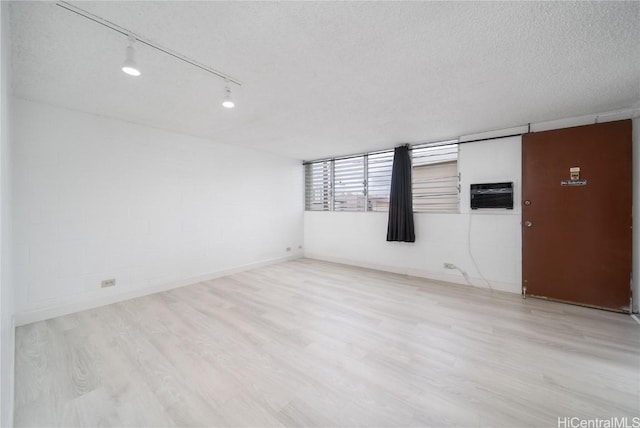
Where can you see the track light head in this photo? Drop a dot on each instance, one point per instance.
(228, 100)
(129, 66)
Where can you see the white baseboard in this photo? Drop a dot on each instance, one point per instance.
(455, 278)
(60, 309)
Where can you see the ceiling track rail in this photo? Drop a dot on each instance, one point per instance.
(128, 33)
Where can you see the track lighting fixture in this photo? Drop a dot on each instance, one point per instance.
(228, 100)
(129, 65)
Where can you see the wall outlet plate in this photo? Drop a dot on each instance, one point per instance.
(108, 283)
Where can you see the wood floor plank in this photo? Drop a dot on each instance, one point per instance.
(310, 343)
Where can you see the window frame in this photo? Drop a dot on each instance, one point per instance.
(442, 153)
(377, 164)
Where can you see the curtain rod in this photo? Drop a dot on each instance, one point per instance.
(493, 138)
(377, 152)
(412, 146)
(476, 140)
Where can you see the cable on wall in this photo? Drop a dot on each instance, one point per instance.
(473, 259)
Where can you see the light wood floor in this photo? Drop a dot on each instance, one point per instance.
(308, 343)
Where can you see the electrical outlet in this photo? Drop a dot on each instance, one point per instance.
(108, 283)
(449, 265)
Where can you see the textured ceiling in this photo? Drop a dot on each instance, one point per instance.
(331, 78)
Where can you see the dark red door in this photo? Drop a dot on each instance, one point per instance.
(576, 233)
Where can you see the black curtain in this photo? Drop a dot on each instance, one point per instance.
(400, 226)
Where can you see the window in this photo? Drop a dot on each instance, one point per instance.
(434, 176)
(363, 183)
(349, 184)
(379, 167)
(356, 183)
(318, 183)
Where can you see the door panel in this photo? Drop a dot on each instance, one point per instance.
(576, 239)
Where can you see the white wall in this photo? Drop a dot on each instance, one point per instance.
(492, 237)
(98, 198)
(7, 329)
(636, 215)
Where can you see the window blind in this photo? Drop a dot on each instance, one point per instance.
(434, 178)
(318, 185)
(363, 182)
(379, 167)
(350, 185)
